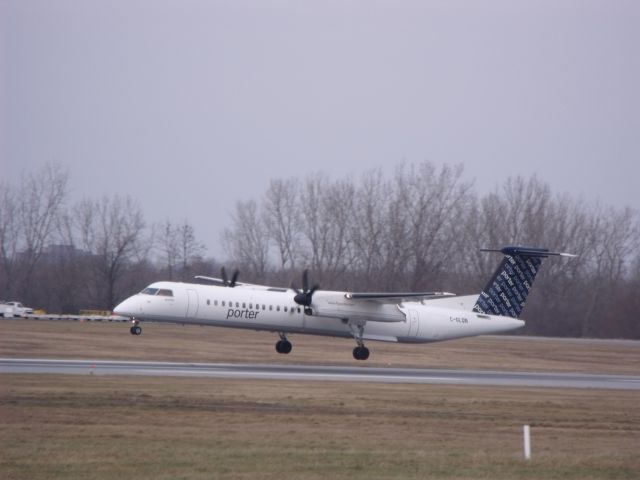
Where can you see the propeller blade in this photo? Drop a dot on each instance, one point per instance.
(304, 297)
(234, 278)
(223, 274)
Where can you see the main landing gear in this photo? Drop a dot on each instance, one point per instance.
(360, 352)
(135, 328)
(283, 345)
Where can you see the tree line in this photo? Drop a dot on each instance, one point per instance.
(419, 228)
(65, 257)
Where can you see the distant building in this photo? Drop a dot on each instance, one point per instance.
(58, 252)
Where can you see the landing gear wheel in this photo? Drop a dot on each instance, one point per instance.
(283, 346)
(361, 353)
(135, 330)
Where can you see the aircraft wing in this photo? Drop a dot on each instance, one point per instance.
(221, 283)
(394, 297)
(213, 281)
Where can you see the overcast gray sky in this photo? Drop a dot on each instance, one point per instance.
(191, 105)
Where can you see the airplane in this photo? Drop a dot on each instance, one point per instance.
(402, 317)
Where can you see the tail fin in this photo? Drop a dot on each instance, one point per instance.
(506, 292)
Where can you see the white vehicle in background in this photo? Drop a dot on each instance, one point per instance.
(14, 309)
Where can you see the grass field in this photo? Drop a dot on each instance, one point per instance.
(95, 427)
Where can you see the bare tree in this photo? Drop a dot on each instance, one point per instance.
(179, 248)
(9, 239)
(337, 214)
(327, 214)
(190, 250)
(614, 239)
(483, 223)
(395, 249)
(432, 201)
(369, 225)
(311, 211)
(169, 247)
(627, 314)
(282, 219)
(247, 241)
(111, 230)
(28, 219)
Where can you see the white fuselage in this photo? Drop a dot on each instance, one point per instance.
(273, 309)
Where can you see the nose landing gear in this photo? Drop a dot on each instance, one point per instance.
(135, 328)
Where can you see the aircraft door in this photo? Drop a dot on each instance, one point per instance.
(192, 303)
(414, 323)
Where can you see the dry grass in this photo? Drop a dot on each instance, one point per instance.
(103, 340)
(101, 427)
(94, 427)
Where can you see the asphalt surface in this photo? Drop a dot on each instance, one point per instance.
(308, 372)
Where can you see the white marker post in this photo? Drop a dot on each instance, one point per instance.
(527, 443)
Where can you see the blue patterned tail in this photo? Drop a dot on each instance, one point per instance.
(507, 291)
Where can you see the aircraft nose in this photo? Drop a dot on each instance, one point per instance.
(127, 308)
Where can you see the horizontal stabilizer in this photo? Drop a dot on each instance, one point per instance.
(527, 252)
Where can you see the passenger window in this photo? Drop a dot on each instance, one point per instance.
(237, 304)
(244, 305)
(270, 308)
(223, 303)
(251, 306)
(278, 308)
(285, 308)
(208, 302)
(215, 302)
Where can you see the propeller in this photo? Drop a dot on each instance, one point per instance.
(303, 297)
(229, 283)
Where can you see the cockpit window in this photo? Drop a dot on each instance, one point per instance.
(162, 292)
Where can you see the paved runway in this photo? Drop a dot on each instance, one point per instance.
(307, 372)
